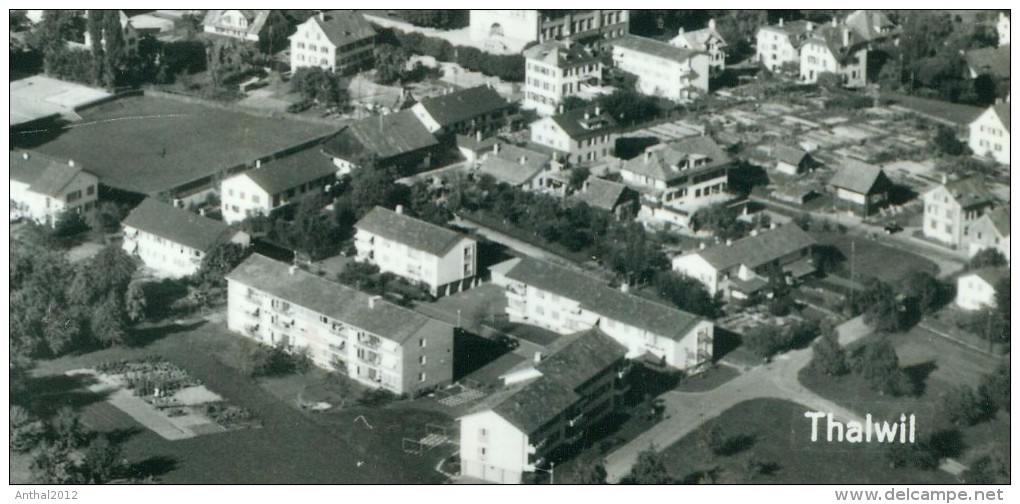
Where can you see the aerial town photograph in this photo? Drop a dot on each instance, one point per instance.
(538, 247)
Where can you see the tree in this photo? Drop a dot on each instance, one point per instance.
(390, 62)
(650, 469)
(26, 430)
(592, 474)
(882, 310)
(578, 176)
(115, 50)
(877, 362)
(764, 340)
(222, 259)
(962, 407)
(108, 320)
(946, 143)
(720, 220)
(995, 386)
(94, 25)
(105, 217)
(924, 294)
(318, 85)
(828, 356)
(101, 461)
(686, 293)
(991, 466)
(135, 302)
(987, 258)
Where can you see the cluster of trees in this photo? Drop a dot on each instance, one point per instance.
(723, 223)
(367, 278)
(873, 358)
(687, 293)
(509, 67)
(893, 309)
(319, 86)
(391, 66)
(276, 360)
(64, 451)
(57, 307)
(625, 104)
(768, 340)
(441, 19)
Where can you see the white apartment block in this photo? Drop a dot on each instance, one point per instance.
(555, 70)
(989, 134)
(43, 187)
(952, 207)
(275, 184)
(779, 44)
(172, 241)
(508, 31)
(371, 340)
(662, 69)
(834, 49)
(338, 41)
(442, 259)
(545, 406)
(565, 302)
(579, 136)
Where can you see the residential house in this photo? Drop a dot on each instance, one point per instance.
(172, 241)
(989, 134)
(555, 70)
(396, 140)
(275, 184)
(43, 187)
(739, 269)
(872, 26)
(662, 69)
(785, 159)
(779, 45)
(514, 165)
(370, 340)
(564, 301)
(1002, 26)
(952, 207)
(835, 49)
(129, 34)
(444, 260)
(706, 40)
(475, 147)
(610, 196)
(976, 290)
(545, 407)
(267, 27)
(678, 178)
(509, 31)
(991, 61)
(464, 111)
(336, 40)
(860, 187)
(991, 230)
(578, 136)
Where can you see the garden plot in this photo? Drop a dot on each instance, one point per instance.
(165, 399)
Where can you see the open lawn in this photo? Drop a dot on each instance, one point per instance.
(147, 144)
(777, 434)
(352, 445)
(873, 259)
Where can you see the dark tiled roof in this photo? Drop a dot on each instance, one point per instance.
(607, 301)
(860, 178)
(178, 225)
(662, 162)
(331, 299)
(385, 137)
(754, 251)
(990, 60)
(279, 175)
(44, 174)
(539, 401)
(788, 154)
(1000, 219)
(464, 104)
(511, 172)
(871, 25)
(604, 194)
(970, 192)
(414, 233)
(574, 123)
(558, 53)
(655, 48)
(992, 275)
(344, 27)
(697, 39)
(1002, 109)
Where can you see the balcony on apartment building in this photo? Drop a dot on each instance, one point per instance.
(371, 358)
(254, 312)
(369, 341)
(251, 328)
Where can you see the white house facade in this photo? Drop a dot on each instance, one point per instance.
(976, 290)
(989, 134)
(43, 187)
(662, 69)
(338, 41)
(555, 70)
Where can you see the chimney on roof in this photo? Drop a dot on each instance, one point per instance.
(648, 155)
(70, 162)
(495, 148)
(538, 357)
(772, 225)
(372, 300)
(587, 115)
(754, 232)
(780, 22)
(322, 15)
(399, 210)
(24, 155)
(701, 246)
(711, 24)
(625, 287)
(523, 160)
(561, 109)
(729, 241)
(680, 31)
(292, 269)
(810, 26)
(598, 110)
(478, 136)
(258, 163)
(846, 36)
(201, 211)
(945, 179)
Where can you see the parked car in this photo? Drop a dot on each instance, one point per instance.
(507, 342)
(893, 228)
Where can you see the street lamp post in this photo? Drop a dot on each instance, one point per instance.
(551, 470)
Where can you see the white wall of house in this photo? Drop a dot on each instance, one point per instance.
(983, 235)
(547, 132)
(241, 198)
(423, 115)
(851, 196)
(944, 219)
(457, 265)
(816, 59)
(309, 47)
(546, 85)
(696, 267)
(80, 194)
(974, 293)
(492, 449)
(233, 24)
(989, 137)
(164, 257)
(774, 48)
(665, 77)
(1002, 26)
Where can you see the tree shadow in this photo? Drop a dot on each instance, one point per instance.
(770, 468)
(725, 341)
(917, 375)
(123, 434)
(151, 467)
(46, 395)
(144, 337)
(701, 476)
(737, 444)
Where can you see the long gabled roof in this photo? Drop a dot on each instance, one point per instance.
(968, 192)
(560, 54)
(999, 217)
(44, 174)
(577, 358)
(596, 296)
(279, 175)
(452, 108)
(1002, 110)
(989, 60)
(655, 48)
(416, 234)
(602, 193)
(662, 161)
(754, 251)
(860, 177)
(331, 299)
(343, 27)
(386, 136)
(178, 225)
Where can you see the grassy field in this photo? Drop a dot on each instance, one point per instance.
(872, 259)
(148, 144)
(776, 433)
(294, 446)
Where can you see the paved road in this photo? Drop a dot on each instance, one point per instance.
(685, 412)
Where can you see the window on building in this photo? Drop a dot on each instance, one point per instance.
(421, 377)
(421, 359)
(421, 343)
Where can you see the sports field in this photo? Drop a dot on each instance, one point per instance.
(147, 144)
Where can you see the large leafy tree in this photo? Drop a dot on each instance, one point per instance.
(650, 469)
(686, 293)
(222, 259)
